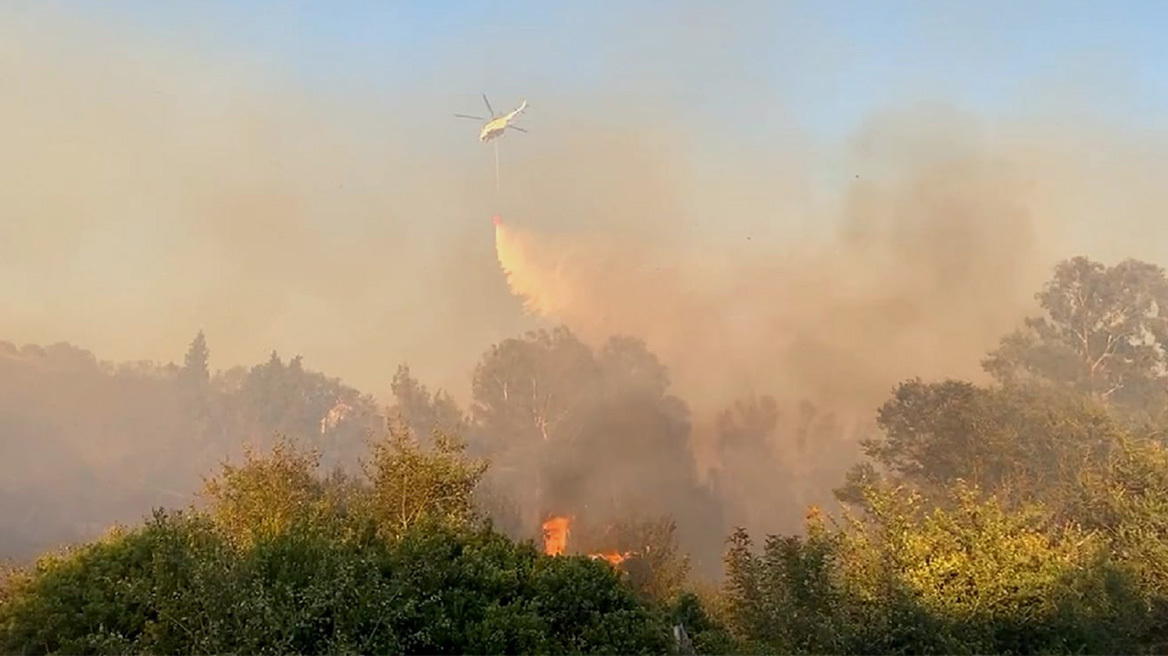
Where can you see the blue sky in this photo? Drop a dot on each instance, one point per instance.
(829, 63)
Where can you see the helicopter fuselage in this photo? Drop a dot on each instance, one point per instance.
(497, 126)
(494, 129)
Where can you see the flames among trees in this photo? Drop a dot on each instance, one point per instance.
(1022, 516)
(555, 542)
(555, 536)
(330, 564)
(556, 416)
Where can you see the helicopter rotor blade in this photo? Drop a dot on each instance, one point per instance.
(489, 109)
(476, 118)
(515, 127)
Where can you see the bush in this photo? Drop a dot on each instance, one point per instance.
(179, 585)
(971, 578)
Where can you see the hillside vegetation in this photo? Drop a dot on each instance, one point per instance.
(1026, 515)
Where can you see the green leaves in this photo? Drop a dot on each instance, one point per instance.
(180, 585)
(409, 483)
(266, 496)
(282, 561)
(1027, 443)
(973, 577)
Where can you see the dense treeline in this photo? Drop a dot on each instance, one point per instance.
(91, 443)
(87, 443)
(1025, 515)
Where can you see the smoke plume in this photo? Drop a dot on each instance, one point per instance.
(153, 187)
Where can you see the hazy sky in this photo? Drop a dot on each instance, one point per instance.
(750, 67)
(832, 62)
(287, 174)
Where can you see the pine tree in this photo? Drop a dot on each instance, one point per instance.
(195, 364)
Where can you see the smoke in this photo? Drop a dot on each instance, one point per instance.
(931, 263)
(153, 188)
(935, 248)
(932, 251)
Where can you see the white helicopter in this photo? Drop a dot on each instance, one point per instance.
(497, 125)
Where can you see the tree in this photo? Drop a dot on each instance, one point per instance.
(410, 484)
(750, 474)
(656, 566)
(176, 585)
(422, 411)
(594, 434)
(304, 405)
(199, 398)
(195, 370)
(1023, 442)
(748, 423)
(972, 577)
(786, 600)
(526, 392)
(1126, 500)
(1104, 332)
(529, 397)
(527, 389)
(266, 496)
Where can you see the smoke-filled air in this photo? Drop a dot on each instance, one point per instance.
(769, 328)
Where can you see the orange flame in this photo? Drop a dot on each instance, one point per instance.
(555, 536)
(614, 558)
(555, 542)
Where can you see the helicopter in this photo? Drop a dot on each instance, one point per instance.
(497, 125)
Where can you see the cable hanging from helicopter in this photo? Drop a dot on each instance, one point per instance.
(495, 126)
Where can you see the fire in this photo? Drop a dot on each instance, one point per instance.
(555, 542)
(614, 558)
(555, 536)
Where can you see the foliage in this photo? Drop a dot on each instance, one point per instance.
(1026, 516)
(285, 561)
(1127, 502)
(409, 483)
(656, 568)
(177, 585)
(975, 578)
(1104, 333)
(591, 432)
(266, 496)
(89, 442)
(1023, 442)
(403, 484)
(422, 411)
(783, 599)
(651, 559)
(195, 371)
(702, 613)
(1003, 580)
